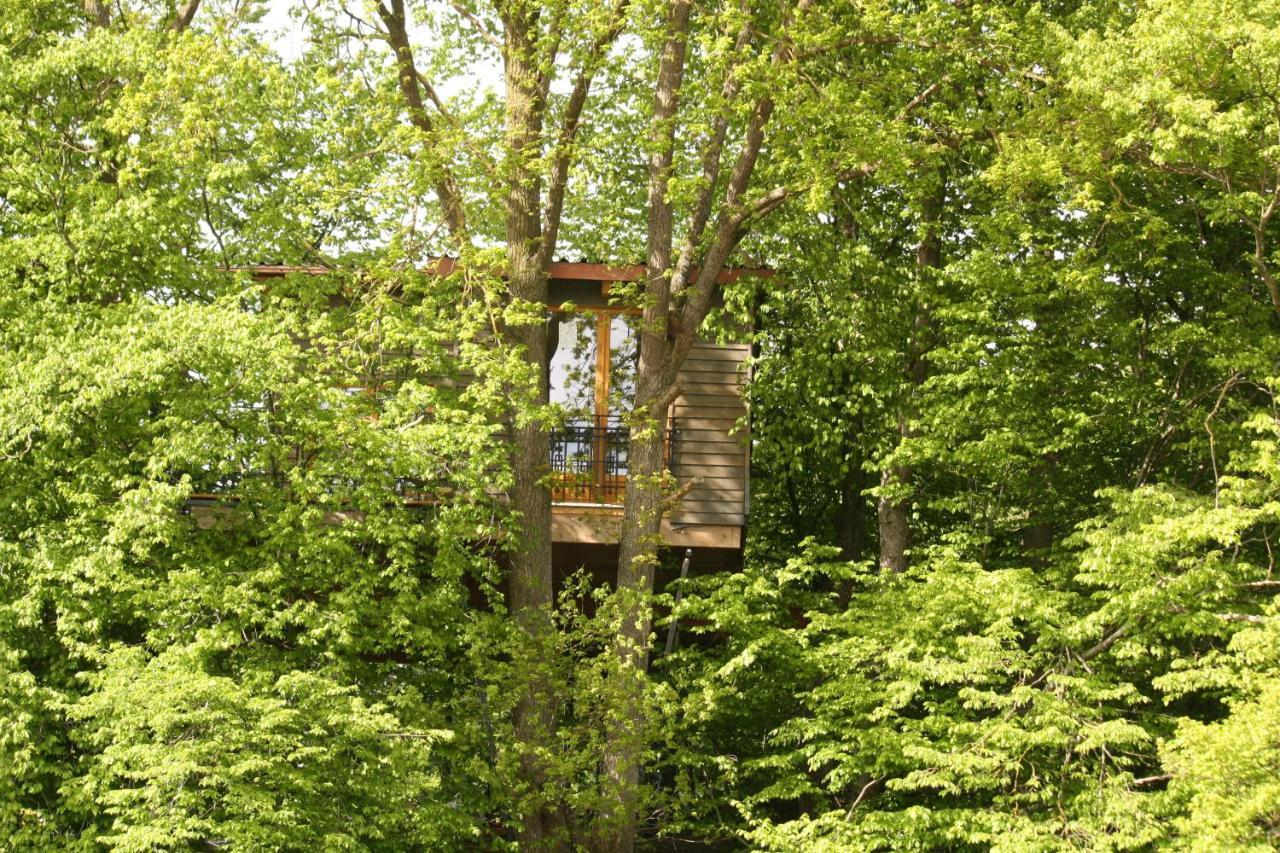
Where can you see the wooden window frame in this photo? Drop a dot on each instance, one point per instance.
(602, 483)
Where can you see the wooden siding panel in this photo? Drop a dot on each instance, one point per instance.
(727, 368)
(721, 491)
(694, 463)
(719, 507)
(708, 383)
(710, 446)
(709, 473)
(727, 398)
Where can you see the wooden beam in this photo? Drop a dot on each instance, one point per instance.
(600, 526)
(571, 271)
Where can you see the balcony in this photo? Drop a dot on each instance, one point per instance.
(589, 459)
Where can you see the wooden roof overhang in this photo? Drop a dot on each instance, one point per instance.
(562, 270)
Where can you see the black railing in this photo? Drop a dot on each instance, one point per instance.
(589, 459)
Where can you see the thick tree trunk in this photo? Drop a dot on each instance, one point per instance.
(531, 230)
(637, 560)
(642, 506)
(893, 517)
(531, 594)
(530, 588)
(894, 510)
(1037, 537)
(676, 302)
(851, 518)
(851, 526)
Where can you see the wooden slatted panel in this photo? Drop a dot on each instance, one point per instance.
(710, 418)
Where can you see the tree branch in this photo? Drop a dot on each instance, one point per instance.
(478, 26)
(862, 795)
(99, 13)
(569, 125)
(185, 14)
(729, 229)
(1260, 250)
(659, 228)
(920, 99)
(408, 80)
(1152, 780)
(711, 156)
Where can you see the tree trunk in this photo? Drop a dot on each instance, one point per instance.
(894, 510)
(531, 593)
(851, 518)
(851, 525)
(893, 516)
(639, 541)
(677, 300)
(637, 560)
(1037, 536)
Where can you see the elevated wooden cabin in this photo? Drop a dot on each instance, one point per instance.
(593, 354)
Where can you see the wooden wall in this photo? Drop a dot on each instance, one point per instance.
(711, 436)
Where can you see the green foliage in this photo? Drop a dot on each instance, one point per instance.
(250, 552)
(1076, 653)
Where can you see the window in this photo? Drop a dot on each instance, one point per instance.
(593, 378)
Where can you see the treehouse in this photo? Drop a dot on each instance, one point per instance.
(593, 352)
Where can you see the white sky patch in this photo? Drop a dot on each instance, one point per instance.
(285, 27)
(286, 32)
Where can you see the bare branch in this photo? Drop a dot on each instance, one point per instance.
(1152, 780)
(478, 26)
(408, 79)
(1260, 249)
(1083, 657)
(483, 157)
(1248, 618)
(729, 229)
(1098, 648)
(711, 156)
(920, 99)
(862, 795)
(671, 67)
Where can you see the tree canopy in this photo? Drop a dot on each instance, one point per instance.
(275, 551)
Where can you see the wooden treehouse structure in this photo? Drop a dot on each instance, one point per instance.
(593, 351)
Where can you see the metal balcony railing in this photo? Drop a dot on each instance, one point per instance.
(590, 459)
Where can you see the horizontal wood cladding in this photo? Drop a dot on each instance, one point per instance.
(706, 463)
(695, 422)
(721, 486)
(720, 472)
(717, 492)
(576, 524)
(703, 351)
(710, 447)
(724, 403)
(689, 519)
(709, 367)
(691, 387)
(711, 437)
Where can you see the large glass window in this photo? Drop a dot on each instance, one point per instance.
(593, 378)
